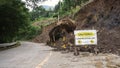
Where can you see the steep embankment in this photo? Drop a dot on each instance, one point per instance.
(104, 16)
(101, 15)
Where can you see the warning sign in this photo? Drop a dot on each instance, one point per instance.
(85, 37)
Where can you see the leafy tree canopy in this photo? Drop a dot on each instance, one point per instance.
(14, 16)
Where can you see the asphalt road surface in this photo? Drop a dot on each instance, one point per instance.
(37, 55)
(28, 55)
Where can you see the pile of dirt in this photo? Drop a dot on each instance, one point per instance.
(44, 37)
(101, 15)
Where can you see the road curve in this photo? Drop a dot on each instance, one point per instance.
(34, 55)
(28, 55)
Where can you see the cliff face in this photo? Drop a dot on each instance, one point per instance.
(104, 16)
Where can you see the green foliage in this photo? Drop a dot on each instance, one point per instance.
(39, 12)
(68, 7)
(36, 12)
(13, 17)
(29, 33)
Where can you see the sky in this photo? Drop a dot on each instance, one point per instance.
(51, 3)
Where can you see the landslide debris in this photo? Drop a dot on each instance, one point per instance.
(101, 15)
(44, 37)
(104, 16)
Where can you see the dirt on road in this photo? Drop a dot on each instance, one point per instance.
(35, 55)
(84, 60)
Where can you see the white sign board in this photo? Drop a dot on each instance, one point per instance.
(85, 37)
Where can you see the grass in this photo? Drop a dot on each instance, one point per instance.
(43, 21)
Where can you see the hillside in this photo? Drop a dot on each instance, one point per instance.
(104, 16)
(101, 15)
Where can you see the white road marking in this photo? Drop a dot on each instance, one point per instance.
(44, 61)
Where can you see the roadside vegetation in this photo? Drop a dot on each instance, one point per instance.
(18, 23)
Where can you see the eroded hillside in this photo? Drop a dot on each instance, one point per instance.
(101, 15)
(104, 16)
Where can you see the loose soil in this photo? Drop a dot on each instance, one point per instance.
(101, 15)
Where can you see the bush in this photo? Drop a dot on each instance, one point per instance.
(13, 17)
(29, 33)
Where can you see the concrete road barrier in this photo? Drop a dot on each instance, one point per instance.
(7, 44)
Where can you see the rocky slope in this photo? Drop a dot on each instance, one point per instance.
(104, 16)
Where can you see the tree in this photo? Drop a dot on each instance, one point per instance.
(33, 3)
(67, 5)
(37, 12)
(13, 17)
